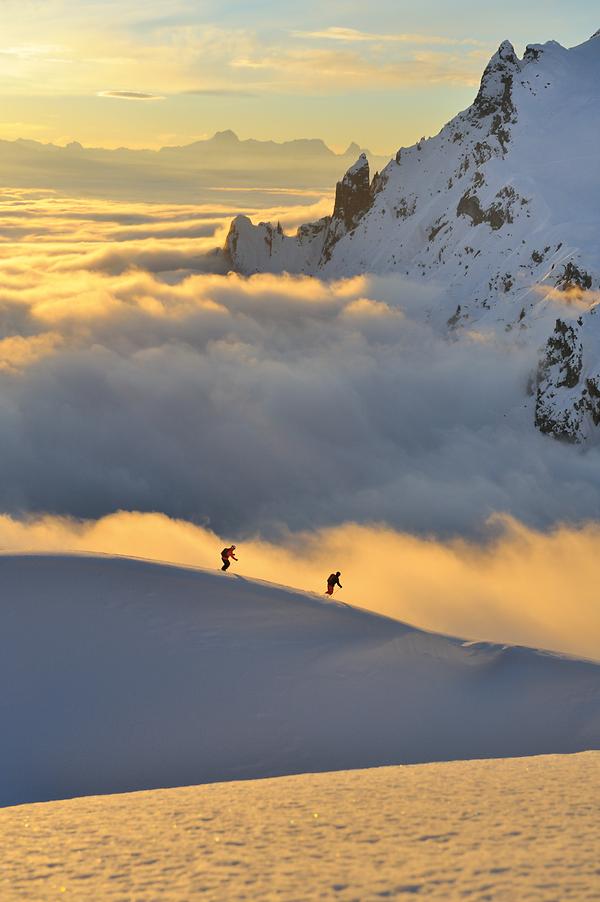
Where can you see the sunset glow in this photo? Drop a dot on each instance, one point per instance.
(110, 74)
(299, 450)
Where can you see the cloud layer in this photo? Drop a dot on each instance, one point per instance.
(133, 378)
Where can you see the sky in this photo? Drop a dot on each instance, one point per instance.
(147, 74)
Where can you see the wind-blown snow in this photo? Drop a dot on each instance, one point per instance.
(505, 830)
(119, 674)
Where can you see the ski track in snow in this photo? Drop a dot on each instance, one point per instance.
(511, 829)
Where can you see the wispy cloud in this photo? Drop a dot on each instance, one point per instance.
(353, 35)
(31, 51)
(218, 92)
(312, 69)
(130, 95)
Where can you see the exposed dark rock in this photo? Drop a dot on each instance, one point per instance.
(231, 242)
(532, 53)
(482, 152)
(560, 368)
(310, 230)
(380, 180)
(270, 233)
(469, 205)
(454, 320)
(436, 229)
(495, 91)
(593, 399)
(406, 207)
(353, 196)
(564, 349)
(572, 278)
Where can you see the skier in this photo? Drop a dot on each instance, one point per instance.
(226, 554)
(332, 581)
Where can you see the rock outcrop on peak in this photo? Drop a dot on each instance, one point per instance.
(353, 199)
(495, 91)
(502, 207)
(567, 404)
(314, 241)
(353, 194)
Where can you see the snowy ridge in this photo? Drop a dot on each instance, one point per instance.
(119, 674)
(502, 207)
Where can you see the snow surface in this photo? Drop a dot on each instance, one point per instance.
(504, 830)
(121, 674)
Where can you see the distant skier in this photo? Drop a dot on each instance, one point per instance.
(332, 581)
(226, 554)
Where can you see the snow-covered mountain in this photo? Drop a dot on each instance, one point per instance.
(119, 674)
(502, 207)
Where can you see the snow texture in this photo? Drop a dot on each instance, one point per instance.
(119, 674)
(502, 207)
(504, 830)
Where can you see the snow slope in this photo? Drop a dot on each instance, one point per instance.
(502, 207)
(119, 674)
(504, 830)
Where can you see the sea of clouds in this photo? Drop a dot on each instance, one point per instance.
(135, 376)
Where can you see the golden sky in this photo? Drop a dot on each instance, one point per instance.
(112, 73)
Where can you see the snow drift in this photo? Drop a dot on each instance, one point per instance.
(119, 674)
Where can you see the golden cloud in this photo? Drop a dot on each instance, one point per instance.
(18, 352)
(523, 586)
(305, 69)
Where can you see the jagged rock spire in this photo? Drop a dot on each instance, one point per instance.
(353, 193)
(495, 91)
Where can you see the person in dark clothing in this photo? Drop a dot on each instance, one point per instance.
(332, 581)
(226, 554)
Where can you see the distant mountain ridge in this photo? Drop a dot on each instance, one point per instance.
(502, 207)
(228, 141)
(221, 140)
(176, 172)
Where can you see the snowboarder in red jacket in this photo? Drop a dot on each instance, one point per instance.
(332, 581)
(226, 554)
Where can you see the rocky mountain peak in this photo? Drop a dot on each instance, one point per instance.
(352, 150)
(506, 53)
(353, 193)
(226, 137)
(495, 92)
